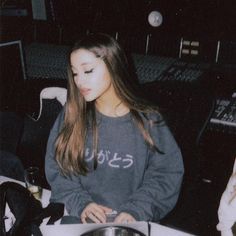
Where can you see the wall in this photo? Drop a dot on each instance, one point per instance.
(212, 19)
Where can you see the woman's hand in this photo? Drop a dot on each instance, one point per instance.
(95, 212)
(124, 217)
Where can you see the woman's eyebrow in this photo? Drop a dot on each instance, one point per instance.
(83, 64)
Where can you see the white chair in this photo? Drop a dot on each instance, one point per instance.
(57, 93)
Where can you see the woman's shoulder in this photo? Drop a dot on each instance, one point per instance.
(59, 120)
(61, 115)
(152, 116)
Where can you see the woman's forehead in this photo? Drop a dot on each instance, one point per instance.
(83, 57)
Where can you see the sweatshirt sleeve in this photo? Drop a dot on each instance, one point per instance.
(162, 180)
(67, 190)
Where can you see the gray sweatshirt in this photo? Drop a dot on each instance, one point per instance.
(129, 178)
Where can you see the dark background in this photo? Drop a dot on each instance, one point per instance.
(211, 19)
(208, 21)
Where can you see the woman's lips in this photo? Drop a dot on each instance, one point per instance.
(85, 91)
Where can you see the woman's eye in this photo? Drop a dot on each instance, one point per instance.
(88, 71)
(74, 74)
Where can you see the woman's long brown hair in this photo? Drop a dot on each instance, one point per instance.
(70, 144)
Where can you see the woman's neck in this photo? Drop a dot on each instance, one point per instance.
(113, 108)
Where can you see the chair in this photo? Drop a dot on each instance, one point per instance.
(37, 125)
(11, 127)
(57, 93)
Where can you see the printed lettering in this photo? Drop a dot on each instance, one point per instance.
(101, 157)
(87, 158)
(128, 160)
(115, 159)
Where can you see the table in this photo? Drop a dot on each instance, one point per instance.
(77, 229)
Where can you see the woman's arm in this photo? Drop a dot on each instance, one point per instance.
(67, 190)
(161, 185)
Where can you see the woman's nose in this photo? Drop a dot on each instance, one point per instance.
(79, 80)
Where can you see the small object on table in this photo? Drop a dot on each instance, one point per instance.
(32, 181)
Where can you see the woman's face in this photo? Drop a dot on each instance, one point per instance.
(91, 75)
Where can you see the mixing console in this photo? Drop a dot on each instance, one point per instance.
(50, 61)
(46, 61)
(149, 68)
(184, 72)
(167, 69)
(224, 115)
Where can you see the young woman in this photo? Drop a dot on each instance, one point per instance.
(227, 207)
(108, 149)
